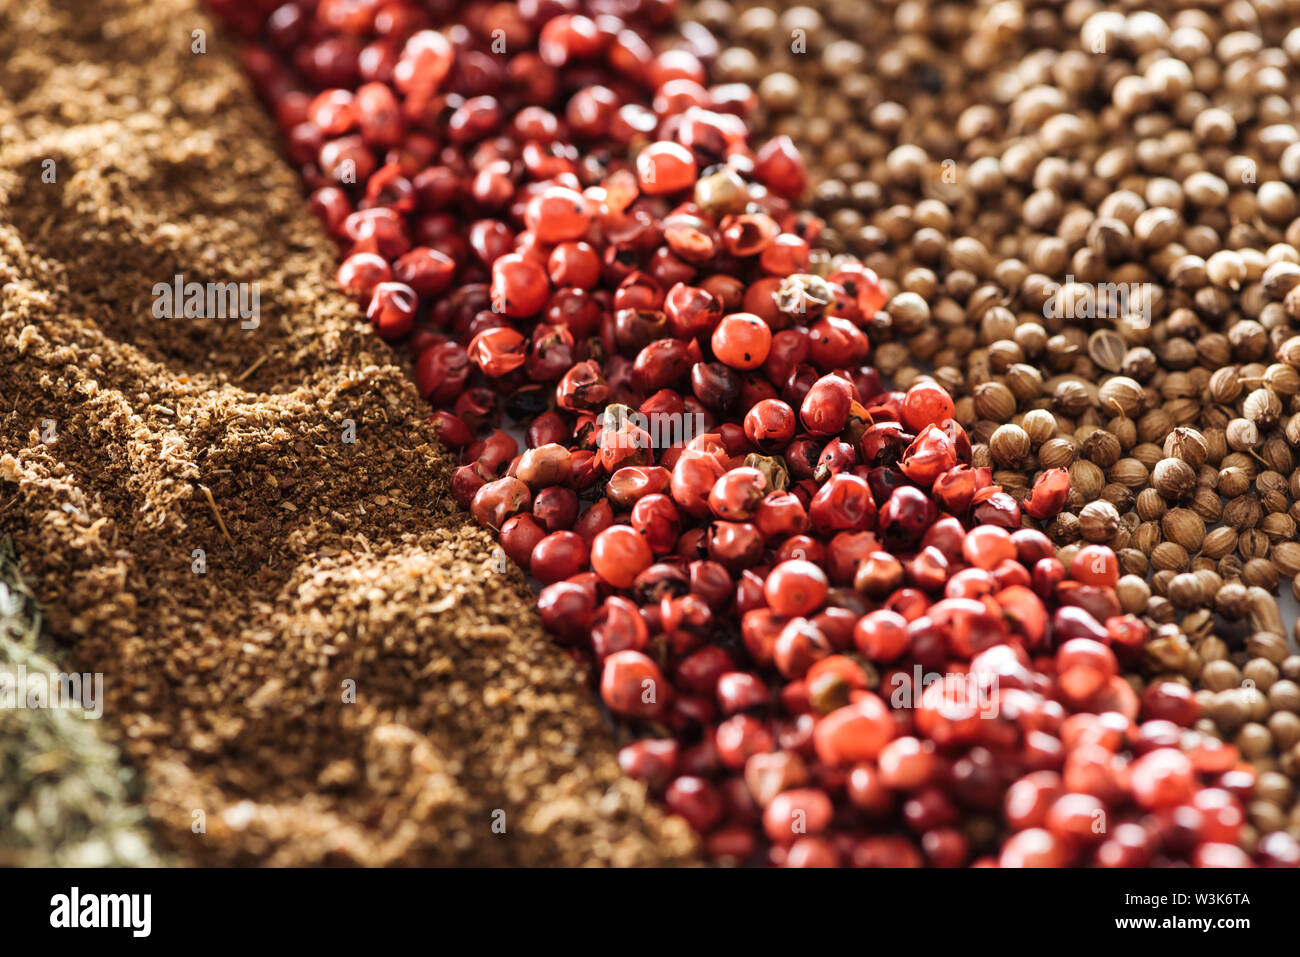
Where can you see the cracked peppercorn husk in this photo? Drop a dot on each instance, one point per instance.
(1078, 166)
(355, 676)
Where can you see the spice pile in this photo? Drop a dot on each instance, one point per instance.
(1090, 230)
(307, 652)
(572, 234)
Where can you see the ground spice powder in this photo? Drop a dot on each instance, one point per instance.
(137, 452)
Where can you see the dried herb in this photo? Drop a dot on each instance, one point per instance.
(66, 799)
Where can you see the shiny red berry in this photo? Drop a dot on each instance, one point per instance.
(742, 340)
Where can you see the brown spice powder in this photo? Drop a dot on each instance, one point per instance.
(325, 562)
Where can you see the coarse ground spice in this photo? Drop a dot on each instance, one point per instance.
(325, 561)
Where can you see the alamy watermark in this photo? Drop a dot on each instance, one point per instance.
(1131, 301)
(212, 300)
(963, 695)
(74, 909)
(53, 690)
(658, 430)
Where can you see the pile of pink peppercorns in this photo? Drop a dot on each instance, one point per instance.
(835, 641)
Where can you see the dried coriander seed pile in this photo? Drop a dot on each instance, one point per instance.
(1086, 219)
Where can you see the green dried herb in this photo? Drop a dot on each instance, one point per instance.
(65, 796)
